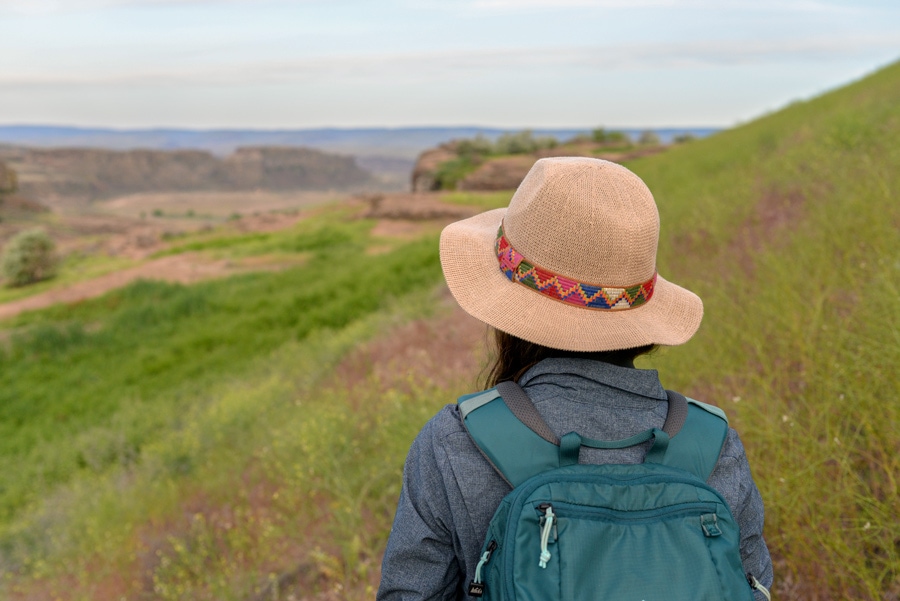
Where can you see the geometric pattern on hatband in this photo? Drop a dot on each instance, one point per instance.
(558, 287)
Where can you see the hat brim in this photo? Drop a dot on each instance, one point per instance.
(670, 317)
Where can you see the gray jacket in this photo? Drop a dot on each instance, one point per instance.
(450, 491)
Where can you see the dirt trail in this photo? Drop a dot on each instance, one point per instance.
(185, 269)
(399, 216)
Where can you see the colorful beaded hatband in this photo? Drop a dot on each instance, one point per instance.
(567, 290)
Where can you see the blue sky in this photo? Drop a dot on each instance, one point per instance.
(508, 63)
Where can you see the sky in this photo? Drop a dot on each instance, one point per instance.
(390, 63)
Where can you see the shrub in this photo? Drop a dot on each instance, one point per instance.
(28, 257)
(8, 180)
(603, 136)
(522, 142)
(649, 138)
(475, 148)
(449, 173)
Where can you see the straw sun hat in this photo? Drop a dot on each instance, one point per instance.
(571, 263)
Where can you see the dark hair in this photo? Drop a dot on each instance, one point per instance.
(512, 357)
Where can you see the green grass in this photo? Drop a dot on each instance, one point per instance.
(194, 442)
(301, 452)
(788, 229)
(157, 347)
(309, 235)
(72, 269)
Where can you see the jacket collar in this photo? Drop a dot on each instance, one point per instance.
(588, 373)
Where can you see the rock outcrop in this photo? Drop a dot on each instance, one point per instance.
(501, 173)
(424, 173)
(505, 172)
(98, 174)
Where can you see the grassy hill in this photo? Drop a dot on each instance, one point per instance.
(789, 229)
(236, 440)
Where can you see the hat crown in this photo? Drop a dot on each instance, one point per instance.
(587, 219)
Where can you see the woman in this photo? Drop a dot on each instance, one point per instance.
(566, 276)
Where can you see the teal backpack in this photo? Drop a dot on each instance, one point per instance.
(579, 532)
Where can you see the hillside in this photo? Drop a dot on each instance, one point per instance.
(789, 229)
(243, 438)
(96, 174)
(388, 152)
(377, 143)
(483, 164)
(12, 204)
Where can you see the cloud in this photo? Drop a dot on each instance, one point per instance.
(714, 5)
(444, 64)
(42, 7)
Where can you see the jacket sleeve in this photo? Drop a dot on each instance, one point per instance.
(420, 560)
(732, 477)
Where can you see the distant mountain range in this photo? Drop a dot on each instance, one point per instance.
(376, 148)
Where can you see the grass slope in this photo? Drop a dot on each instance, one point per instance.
(195, 443)
(87, 391)
(789, 229)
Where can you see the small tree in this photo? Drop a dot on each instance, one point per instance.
(28, 257)
(8, 180)
(649, 138)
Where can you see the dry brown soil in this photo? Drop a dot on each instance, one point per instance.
(185, 269)
(402, 216)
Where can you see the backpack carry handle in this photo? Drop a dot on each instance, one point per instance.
(570, 445)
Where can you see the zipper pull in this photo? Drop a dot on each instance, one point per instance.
(547, 527)
(755, 584)
(477, 586)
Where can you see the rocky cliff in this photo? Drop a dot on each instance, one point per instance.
(453, 166)
(97, 174)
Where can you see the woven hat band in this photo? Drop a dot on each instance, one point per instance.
(558, 287)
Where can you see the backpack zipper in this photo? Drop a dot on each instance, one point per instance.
(535, 482)
(651, 515)
(755, 584)
(546, 527)
(477, 587)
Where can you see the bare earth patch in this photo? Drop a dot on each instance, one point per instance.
(776, 212)
(214, 204)
(421, 206)
(401, 216)
(447, 350)
(184, 269)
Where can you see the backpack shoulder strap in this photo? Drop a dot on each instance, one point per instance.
(514, 449)
(528, 446)
(699, 443)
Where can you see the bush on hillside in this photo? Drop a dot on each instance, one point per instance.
(604, 136)
(28, 257)
(649, 138)
(523, 142)
(472, 152)
(479, 146)
(8, 180)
